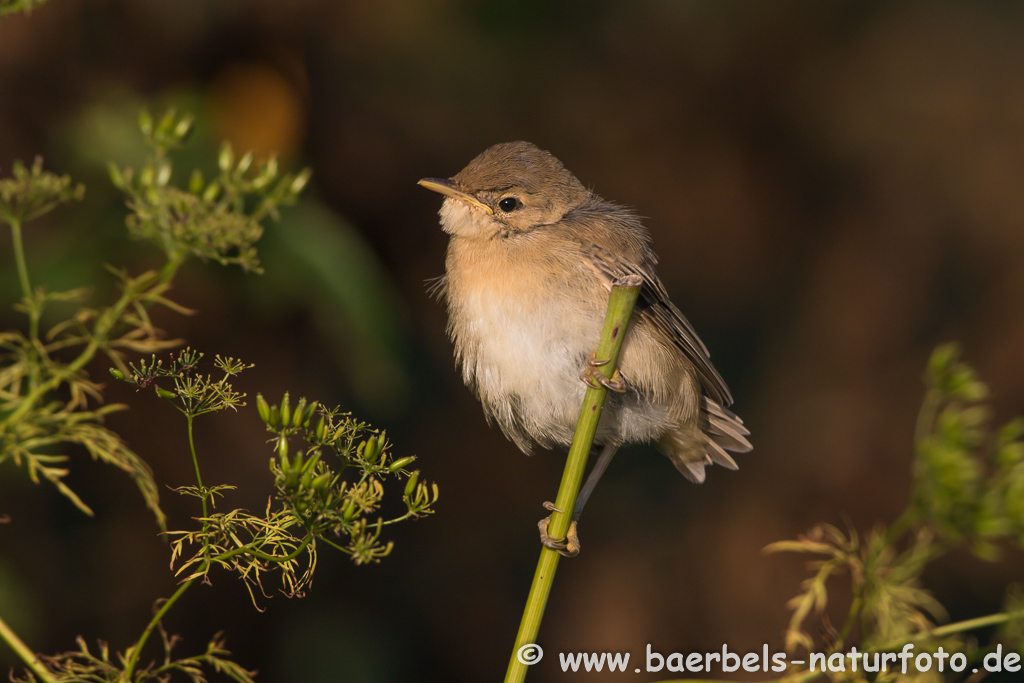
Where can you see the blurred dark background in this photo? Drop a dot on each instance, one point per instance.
(833, 189)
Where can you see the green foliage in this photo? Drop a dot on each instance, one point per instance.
(47, 397)
(11, 6)
(968, 488)
(338, 498)
(44, 385)
(194, 394)
(32, 192)
(219, 220)
(44, 395)
(82, 665)
(317, 501)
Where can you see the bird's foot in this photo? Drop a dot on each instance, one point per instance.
(596, 380)
(567, 547)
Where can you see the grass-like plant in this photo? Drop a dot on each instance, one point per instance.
(330, 471)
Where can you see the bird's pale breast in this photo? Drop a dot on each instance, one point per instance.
(522, 335)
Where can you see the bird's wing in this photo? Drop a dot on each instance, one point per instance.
(654, 306)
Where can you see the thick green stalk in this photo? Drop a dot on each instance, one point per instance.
(620, 308)
(23, 651)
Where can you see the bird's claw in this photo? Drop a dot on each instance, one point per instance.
(596, 380)
(567, 547)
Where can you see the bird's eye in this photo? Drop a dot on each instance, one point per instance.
(509, 204)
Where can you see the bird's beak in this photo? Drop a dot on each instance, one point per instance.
(449, 188)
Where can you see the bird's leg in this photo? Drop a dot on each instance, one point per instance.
(590, 376)
(607, 453)
(570, 546)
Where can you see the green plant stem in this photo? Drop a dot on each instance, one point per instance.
(250, 550)
(133, 660)
(19, 256)
(136, 651)
(959, 627)
(620, 308)
(926, 415)
(195, 462)
(23, 651)
(34, 305)
(855, 609)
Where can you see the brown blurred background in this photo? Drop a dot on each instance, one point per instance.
(833, 189)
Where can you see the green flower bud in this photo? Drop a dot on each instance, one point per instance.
(226, 157)
(195, 182)
(117, 374)
(300, 181)
(211, 191)
(311, 463)
(163, 174)
(164, 127)
(286, 411)
(291, 480)
(275, 418)
(370, 450)
(184, 127)
(115, 176)
(400, 463)
(163, 393)
(244, 163)
(410, 485)
(270, 168)
(145, 122)
(309, 412)
(263, 408)
(300, 408)
(322, 484)
(321, 429)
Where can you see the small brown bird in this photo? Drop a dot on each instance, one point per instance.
(531, 261)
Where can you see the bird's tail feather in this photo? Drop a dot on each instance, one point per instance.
(690, 451)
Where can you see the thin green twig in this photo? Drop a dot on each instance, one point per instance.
(959, 627)
(620, 308)
(195, 462)
(19, 256)
(136, 650)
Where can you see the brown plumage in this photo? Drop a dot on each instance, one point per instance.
(531, 260)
